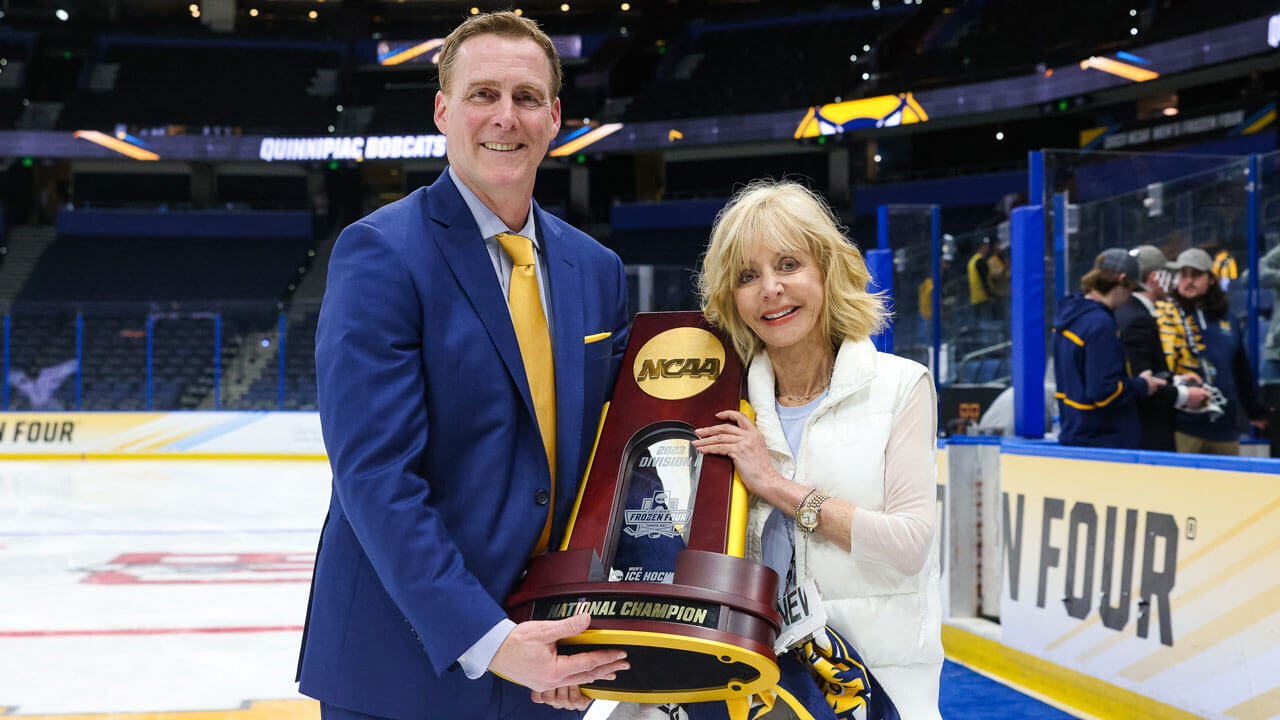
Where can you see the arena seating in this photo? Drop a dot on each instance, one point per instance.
(42, 338)
(182, 284)
(739, 68)
(17, 50)
(1000, 38)
(260, 88)
(299, 370)
(671, 63)
(164, 270)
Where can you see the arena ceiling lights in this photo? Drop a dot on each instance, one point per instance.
(1235, 42)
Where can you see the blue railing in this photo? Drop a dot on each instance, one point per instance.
(230, 356)
(1081, 202)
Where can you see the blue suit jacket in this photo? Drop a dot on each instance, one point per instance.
(437, 461)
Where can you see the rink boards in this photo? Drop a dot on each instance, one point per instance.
(1137, 583)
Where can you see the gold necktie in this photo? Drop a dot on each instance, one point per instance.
(535, 349)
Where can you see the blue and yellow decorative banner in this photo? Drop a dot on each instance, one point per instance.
(873, 112)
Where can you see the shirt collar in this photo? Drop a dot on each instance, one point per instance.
(1146, 302)
(488, 221)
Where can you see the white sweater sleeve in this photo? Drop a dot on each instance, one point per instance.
(900, 535)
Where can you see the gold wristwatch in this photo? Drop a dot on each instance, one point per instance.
(810, 515)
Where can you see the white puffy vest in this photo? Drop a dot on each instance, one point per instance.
(893, 620)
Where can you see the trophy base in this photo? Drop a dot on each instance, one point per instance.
(685, 668)
(685, 642)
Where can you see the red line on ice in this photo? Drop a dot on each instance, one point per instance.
(148, 631)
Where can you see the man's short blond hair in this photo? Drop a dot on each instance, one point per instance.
(784, 215)
(504, 24)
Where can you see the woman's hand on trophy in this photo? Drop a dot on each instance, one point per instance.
(742, 442)
(563, 698)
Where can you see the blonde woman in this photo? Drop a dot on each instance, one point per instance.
(840, 461)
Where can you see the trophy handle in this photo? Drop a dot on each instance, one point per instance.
(739, 502)
(582, 486)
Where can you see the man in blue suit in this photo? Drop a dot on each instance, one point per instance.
(442, 486)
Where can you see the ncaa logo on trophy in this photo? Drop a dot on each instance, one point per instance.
(679, 363)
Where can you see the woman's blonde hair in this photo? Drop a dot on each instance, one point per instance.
(783, 215)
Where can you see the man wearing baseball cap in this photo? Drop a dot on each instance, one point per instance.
(1142, 348)
(1198, 336)
(1096, 394)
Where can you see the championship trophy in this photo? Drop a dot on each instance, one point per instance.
(654, 547)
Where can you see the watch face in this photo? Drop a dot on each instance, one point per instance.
(808, 518)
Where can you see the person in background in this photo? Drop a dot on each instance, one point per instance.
(1269, 277)
(840, 461)
(466, 345)
(1142, 348)
(1225, 268)
(999, 276)
(979, 271)
(1096, 394)
(1199, 337)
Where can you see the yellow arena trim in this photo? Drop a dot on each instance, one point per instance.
(1257, 518)
(578, 143)
(1260, 123)
(410, 53)
(1241, 566)
(1119, 69)
(1263, 705)
(803, 129)
(159, 456)
(1051, 680)
(1241, 618)
(766, 666)
(1088, 136)
(582, 486)
(257, 710)
(169, 440)
(139, 441)
(119, 146)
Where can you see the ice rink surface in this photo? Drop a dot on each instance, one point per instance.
(156, 586)
(176, 590)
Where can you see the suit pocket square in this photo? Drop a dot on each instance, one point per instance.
(595, 338)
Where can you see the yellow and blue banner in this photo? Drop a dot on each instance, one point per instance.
(172, 435)
(873, 112)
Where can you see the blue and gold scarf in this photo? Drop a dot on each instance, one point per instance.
(823, 679)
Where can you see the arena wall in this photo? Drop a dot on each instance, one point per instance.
(1132, 584)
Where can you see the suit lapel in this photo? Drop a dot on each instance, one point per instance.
(566, 309)
(464, 250)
